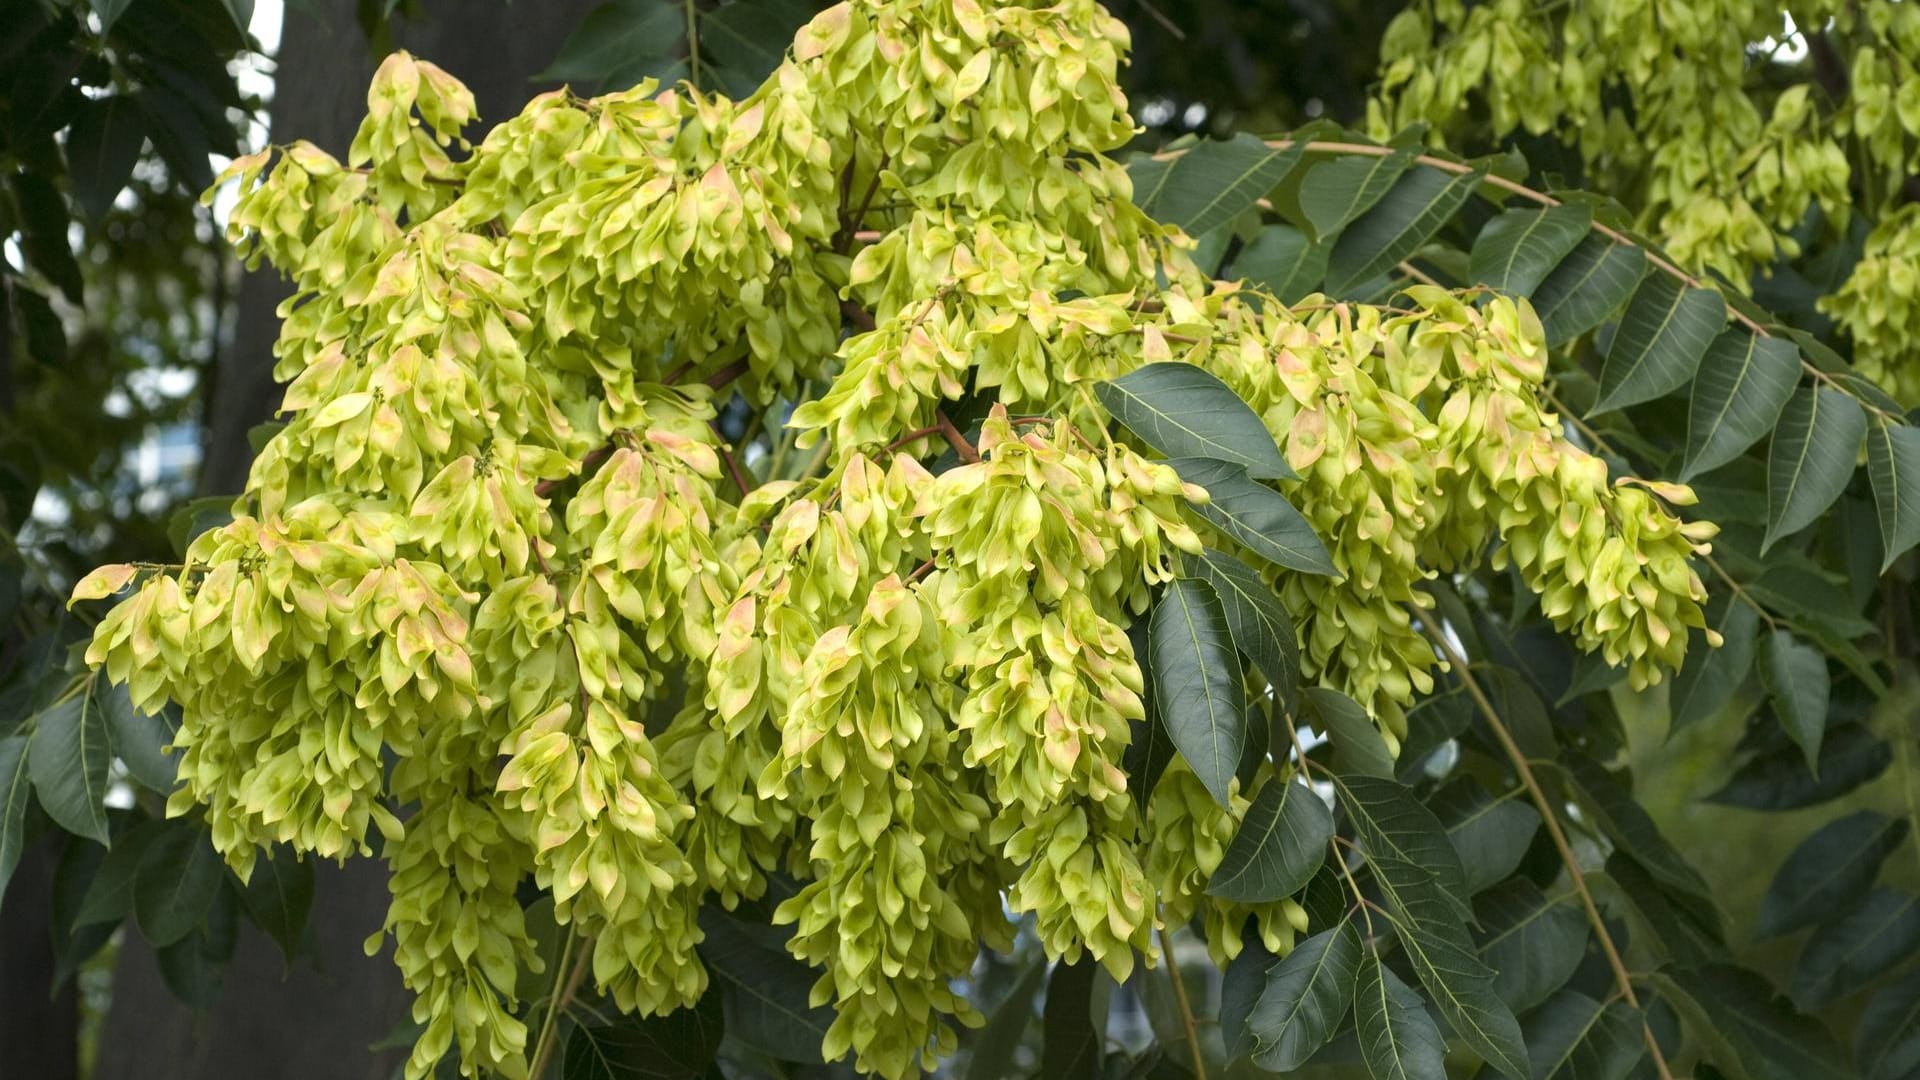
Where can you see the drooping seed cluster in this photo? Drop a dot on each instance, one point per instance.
(494, 605)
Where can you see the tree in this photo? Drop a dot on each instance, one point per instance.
(728, 553)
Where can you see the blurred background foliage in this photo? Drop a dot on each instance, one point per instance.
(134, 355)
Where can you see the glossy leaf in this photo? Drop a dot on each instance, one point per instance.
(1073, 1024)
(1415, 208)
(1886, 1045)
(1532, 942)
(279, 895)
(1335, 192)
(1588, 286)
(991, 1053)
(1795, 676)
(1210, 184)
(1516, 251)
(138, 740)
(1661, 338)
(1197, 682)
(1283, 260)
(1744, 382)
(679, 1045)
(1255, 515)
(178, 879)
(15, 789)
(1851, 949)
(1778, 779)
(1306, 996)
(767, 992)
(1261, 626)
(1281, 841)
(1828, 871)
(1358, 747)
(1397, 1038)
(1490, 834)
(68, 760)
(1893, 465)
(1573, 1037)
(1710, 677)
(1737, 1012)
(1182, 411)
(1811, 459)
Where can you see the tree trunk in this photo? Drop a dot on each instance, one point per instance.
(39, 1030)
(318, 1021)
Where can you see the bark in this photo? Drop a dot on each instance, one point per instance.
(317, 1021)
(39, 1029)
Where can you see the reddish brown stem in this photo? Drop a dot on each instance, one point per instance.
(956, 440)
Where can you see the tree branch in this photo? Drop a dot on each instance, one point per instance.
(1621, 978)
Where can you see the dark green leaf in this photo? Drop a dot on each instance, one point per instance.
(767, 992)
(990, 1055)
(1710, 677)
(1462, 988)
(619, 44)
(1811, 458)
(1735, 1010)
(1397, 1037)
(1197, 682)
(747, 40)
(1261, 627)
(1518, 249)
(1211, 183)
(1661, 338)
(1886, 1046)
(1744, 382)
(193, 968)
(1255, 515)
(1573, 1037)
(109, 897)
(1335, 192)
(68, 761)
(102, 146)
(1490, 834)
(1893, 464)
(1587, 287)
(1241, 983)
(1284, 261)
(109, 12)
(1074, 1036)
(15, 789)
(1182, 411)
(1532, 942)
(1684, 929)
(179, 875)
(1795, 676)
(43, 237)
(1632, 831)
(1282, 840)
(1358, 748)
(1306, 997)
(677, 1046)
(1393, 826)
(138, 738)
(279, 895)
(1778, 779)
(1828, 871)
(1850, 951)
(1411, 212)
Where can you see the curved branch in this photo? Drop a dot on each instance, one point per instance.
(1622, 980)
